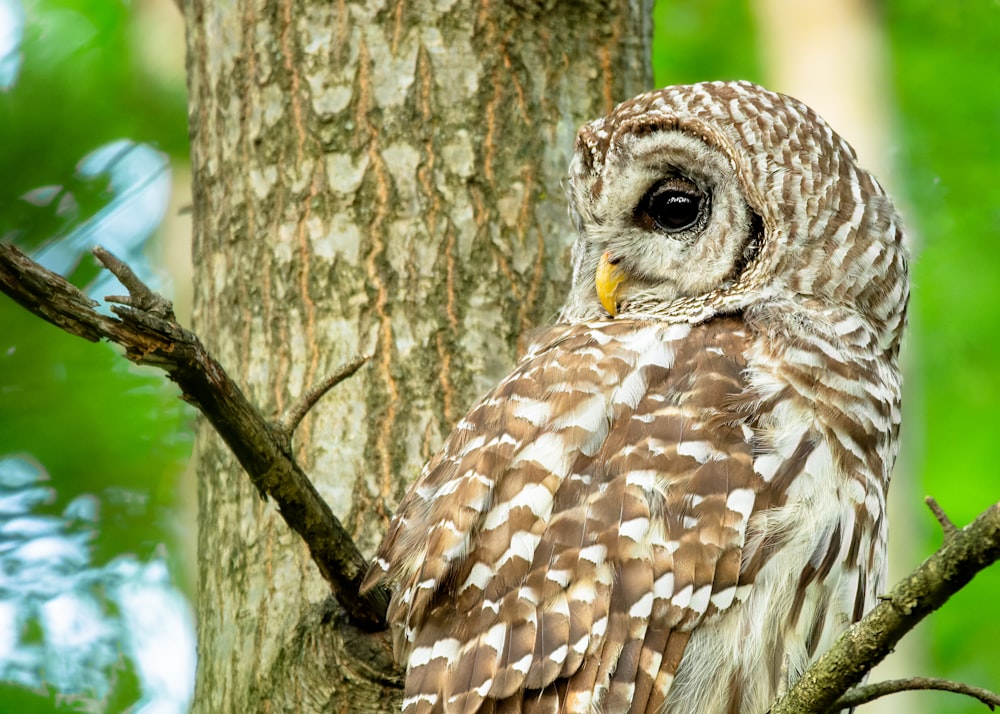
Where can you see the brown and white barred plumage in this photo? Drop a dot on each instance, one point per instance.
(677, 509)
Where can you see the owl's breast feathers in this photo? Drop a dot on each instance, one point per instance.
(627, 483)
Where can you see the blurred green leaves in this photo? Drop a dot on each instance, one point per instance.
(699, 41)
(947, 78)
(80, 87)
(946, 71)
(96, 424)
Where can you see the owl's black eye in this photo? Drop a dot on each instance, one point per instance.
(673, 205)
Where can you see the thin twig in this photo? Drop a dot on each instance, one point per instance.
(146, 328)
(947, 525)
(865, 693)
(293, 416)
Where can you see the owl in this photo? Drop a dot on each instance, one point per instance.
(676, 500)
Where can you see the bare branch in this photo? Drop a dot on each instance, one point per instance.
(949, 528)
(869, 692)
(150, 335)
(49, 296)
(293, 416)
(867, 642)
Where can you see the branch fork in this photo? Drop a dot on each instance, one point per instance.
(145, 325)
(288, 422)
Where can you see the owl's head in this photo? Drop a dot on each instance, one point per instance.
(712, 198)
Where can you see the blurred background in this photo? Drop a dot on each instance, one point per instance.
(96, 506)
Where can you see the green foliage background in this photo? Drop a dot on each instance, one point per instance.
(96, 424)
(947, 82)
(99, 426)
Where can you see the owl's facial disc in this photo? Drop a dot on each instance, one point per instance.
(664, 204)
(670, 216)
(674, 207)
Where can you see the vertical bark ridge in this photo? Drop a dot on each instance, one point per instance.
(384, 394)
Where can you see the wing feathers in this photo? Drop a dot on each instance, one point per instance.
(577, 525)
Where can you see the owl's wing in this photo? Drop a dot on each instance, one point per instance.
(577, 525)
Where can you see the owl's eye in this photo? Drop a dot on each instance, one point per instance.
(673, 205)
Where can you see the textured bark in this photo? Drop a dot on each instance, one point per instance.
(369, 177)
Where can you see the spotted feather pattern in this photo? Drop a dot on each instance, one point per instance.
(678, 509)
(603, 513)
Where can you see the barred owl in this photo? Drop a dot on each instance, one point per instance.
(676, 500)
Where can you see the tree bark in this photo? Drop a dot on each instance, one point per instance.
(369, 177)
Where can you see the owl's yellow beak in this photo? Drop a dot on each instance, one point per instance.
(609, 281)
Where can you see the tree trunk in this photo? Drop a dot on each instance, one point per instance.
(377, 177)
